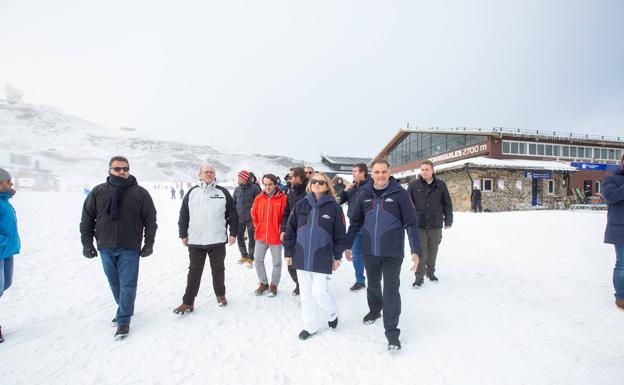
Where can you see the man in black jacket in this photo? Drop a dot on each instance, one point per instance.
(244, 196)
(119, 213)
(298, 184)
(435, 210)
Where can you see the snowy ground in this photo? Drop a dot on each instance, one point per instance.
(523, 298)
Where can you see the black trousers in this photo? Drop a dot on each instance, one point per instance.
(388, 268)
(240, 237)
(197, 258)
(293, 274)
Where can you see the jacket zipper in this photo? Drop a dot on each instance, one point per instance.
(267, 221)
(310, 241)
(376, 221)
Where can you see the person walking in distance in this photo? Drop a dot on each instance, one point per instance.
(267, 213)
(384, 212)
(119, 214)
(9, 238)
(206, 213)
(613, 193)
(435, 210)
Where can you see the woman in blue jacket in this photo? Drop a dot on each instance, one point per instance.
(613, 193)
(314, 242)
(9, 240)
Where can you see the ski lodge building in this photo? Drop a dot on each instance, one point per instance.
(515, 169)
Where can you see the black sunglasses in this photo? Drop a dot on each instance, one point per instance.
(320, 182)
(117, 169)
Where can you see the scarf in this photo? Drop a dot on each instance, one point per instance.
(120, 185)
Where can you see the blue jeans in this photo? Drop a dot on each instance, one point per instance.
(122, 270)
(358, 262)
(6, 274)
(618, 272)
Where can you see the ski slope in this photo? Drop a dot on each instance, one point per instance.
(523, 298)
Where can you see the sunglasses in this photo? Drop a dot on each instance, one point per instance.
(320, 182)
(118, 169)
(309, 173)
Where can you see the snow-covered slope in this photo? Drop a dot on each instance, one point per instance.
(77, 149)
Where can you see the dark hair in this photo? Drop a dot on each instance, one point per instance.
(272, 177)
(118, 158)
(362, 168)
(430, 163)
(380, 161)
(299, 171)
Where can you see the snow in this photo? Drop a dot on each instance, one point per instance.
(523, 298)
(485, 162)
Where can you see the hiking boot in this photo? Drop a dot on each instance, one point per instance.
(242, 260)
(333, 324)
(221, 300)
(122, 332)
(432, 277)
(1, 338)
(304, 335)
(418, 283)
(357, 286)
(183, 309)
(272, 290)
(296, 291)
(620, 304)
(371, 317)
(249, 262)
(394, 344)
(261, 289)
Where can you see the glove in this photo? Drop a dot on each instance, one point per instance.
(146, 251)
(89, 251)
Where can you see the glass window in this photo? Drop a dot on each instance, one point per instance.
(474, 139)
(549, 150)
(505, 147)
(572, 152)
(557, 150)
(589, 152)
(523, 149)
(580, 152)
(618, 154)
(455, 141)
(514, 147)
(551, 186)
(486, 184)
(532, 149)
(604, 154)
(565, 150)
(597, 187)
(438, 139)
(540, 149)
(611, 154)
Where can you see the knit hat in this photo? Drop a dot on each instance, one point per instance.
(244, 174)
(4, 175)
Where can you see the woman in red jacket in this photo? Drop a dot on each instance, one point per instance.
(267, 212)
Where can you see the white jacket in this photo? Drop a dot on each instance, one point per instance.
(206, 212)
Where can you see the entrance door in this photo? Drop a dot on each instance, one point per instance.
(588, 188)
(534, 191)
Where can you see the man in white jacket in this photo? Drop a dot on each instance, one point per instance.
(207, 211)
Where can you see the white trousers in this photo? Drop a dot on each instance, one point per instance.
(315, 299)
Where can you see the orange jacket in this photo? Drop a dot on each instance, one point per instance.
(267, 214)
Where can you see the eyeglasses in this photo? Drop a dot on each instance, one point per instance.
(320, 182)
(118, 169)
(309, 173)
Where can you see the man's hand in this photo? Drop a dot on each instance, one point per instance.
(89, 251)
(232, 240)
(348, 255)
(336, 264)
(282, 237)
(349, 186)
(185, 241)
(415, 259)
(447, 227)
(146, 251)
(288, 261)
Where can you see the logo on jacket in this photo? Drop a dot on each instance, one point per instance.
(367, 200)
(389, 200)
(325, 216)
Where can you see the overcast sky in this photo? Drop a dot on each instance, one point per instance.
(299, 78)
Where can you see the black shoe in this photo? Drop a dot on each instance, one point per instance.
(114, 322)
(371, 317)
(122, 332)
(432, 277)
(296, 291)
(1, 338)
(357, 286)
(304, 335)
(418, 283)
(394, 344)
(333, 324)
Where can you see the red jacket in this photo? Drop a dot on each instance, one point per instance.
(267, 214)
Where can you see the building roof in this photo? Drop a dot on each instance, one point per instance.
(483, 162)
(345, 159)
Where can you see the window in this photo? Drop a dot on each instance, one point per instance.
(580, 152)
(589, 152)
(557, 150)
(604, 154)
(611, 154)
(540, 149)
(551, 186)
(572, 152)
(523, 148)
(597, 187)
(618, 154)
(565, 150)
(532, 149)
(505, 147)
(514, 147)
(549, 150)
(486, 185)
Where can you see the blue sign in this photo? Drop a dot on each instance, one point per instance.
(589, 166)
(537, 175)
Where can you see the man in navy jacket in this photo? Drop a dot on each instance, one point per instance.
(384, 212)
(613, 193)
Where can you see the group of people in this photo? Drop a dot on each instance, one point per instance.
(305, 228)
